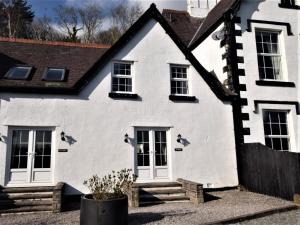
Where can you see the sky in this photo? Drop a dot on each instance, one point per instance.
(45, 7)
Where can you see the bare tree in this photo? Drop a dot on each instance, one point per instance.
(91, 19)
(42, 29)
(124, 15)
(69, 21)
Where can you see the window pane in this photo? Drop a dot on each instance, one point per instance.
(19, 72)
(122, 69)
(42, 157)
(276, 143)
(54, 74)
(19, 149)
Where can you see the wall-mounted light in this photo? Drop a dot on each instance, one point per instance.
(179, 138)
(126, 138)
(62, 136)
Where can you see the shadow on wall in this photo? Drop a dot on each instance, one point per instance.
(248, 9)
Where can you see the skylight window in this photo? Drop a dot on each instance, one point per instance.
(54, 74)
(18, 72)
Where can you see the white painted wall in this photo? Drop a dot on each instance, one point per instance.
(209, 54)
(200, 8)
(98, 123)
(269, 11)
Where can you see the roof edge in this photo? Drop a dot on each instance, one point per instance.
(53, 43)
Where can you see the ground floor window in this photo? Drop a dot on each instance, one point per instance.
(276, 129)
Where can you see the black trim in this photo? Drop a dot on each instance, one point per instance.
(257, 102)
(240, 59)
(223, 43)
(224, 56)
(246, 131)
(225, 69)
(288, 25)
(288, 4)
(239, 46)
(243, 87)
(275, 83)
(182, 98)
(245, 116)
(241, 72)
(123, 95)
(238, 33)
(244, 101)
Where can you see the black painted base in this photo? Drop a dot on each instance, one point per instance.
(103, 212)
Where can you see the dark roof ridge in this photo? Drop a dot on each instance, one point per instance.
(176, 11)
(53, 43)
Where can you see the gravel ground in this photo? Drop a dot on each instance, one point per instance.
(219, 205)
(287, 218)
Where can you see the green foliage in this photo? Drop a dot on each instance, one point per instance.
(111, 186)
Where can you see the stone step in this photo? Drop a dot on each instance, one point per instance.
(25, 189)
(24, 202)
(157, 184)
(161, 190)
(26, 209)
(35, 195)
(149, 203)
(147, 198)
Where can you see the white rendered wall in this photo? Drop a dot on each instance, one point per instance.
(269, 11)
(99, 123)
(200, 8)
(209, 54)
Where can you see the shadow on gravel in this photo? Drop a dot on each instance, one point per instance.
(147, 217)
(210, 197)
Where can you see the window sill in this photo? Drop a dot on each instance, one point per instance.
(123, 95)
(275, 83)
(182, 98)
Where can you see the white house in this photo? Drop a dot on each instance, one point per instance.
(146, 103)
(173, 98)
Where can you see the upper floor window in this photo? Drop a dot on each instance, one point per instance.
(268, 54)
(122, 77)
(18, 72)
(276, 130)
(179, 80)
(54, 74)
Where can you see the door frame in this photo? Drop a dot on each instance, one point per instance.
(151, 131)
(29, 182)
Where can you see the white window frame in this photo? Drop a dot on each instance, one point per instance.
(131, 76)
(180, 79)
(288, 136)
(8, 75)
(279, 54)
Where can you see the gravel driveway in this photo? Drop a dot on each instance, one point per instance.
(219, 205)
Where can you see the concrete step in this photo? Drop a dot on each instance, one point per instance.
(26, 209)
(157, 202)
(35, 195)
(25, 189)
(25, 202)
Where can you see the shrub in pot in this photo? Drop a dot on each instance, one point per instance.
(108, 203)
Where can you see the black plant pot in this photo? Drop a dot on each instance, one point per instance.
(103, 212)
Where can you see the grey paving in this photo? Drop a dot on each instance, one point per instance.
(287, 218)
(220, 205)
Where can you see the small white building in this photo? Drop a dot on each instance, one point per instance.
(68, 112)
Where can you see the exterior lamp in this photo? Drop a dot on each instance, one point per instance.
(126, 138)
(62, 136)
(179, 138)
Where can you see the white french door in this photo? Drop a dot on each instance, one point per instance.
(152, 157)
(30, 156)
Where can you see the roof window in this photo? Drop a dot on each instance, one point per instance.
(18, 72)
(54, 74)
